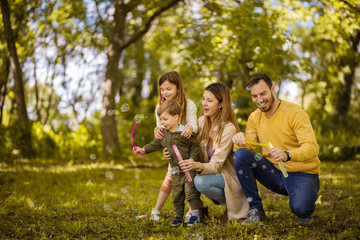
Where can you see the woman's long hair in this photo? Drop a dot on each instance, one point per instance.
(224, 115)
(174, 78)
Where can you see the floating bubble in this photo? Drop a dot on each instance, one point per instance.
(272, 171)
(107, 207)
(139, 117)
(257, 157)
(250, 64)
(93, 156)
(246, 176)
(223, 124)
(111, 112)
(254, 165)
(234, 104)
(203, 143)
(142, 138)
(125, 107)
(249, 199)
(247, 88)
(285, 109)
(109, 175)
(263, 126)
(30, 202)
(263, 166)
(240, 172)
(198, 236)
(260, 103)
(175, 170)
(140, 234)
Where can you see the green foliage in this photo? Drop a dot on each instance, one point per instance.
(100, 200)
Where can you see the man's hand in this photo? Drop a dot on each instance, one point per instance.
(278, 155)
(166, 153)
(187, 132)
(159, 133)
(239, 138)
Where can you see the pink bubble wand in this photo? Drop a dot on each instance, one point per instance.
(132, 142)
(187, 174)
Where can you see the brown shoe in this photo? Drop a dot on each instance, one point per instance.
(204, 212)
(224, 217)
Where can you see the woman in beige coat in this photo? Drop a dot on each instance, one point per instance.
(216, 177)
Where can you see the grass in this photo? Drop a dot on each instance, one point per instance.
(43, 199)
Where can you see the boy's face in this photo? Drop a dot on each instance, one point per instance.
(169, 121)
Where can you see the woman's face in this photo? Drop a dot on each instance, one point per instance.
(210, 104)
(168, 90)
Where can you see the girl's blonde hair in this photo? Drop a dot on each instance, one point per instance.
(224, 115)
(174, 78)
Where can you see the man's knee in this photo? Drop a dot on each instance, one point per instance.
(241, 155)
(303, 210)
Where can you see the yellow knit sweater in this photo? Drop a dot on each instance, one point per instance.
(289, 129)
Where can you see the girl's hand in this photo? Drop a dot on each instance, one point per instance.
(239, 138)
(187, 132)
(189, 164)
(166, 153)
(158, 133)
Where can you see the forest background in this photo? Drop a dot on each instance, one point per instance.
(75, 75)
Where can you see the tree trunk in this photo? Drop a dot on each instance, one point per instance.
(26, 145)
(3, 86)
(117, 45)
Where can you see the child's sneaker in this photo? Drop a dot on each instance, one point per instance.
(177, 222)
(194, 220)
(187, 217)
(155, 215)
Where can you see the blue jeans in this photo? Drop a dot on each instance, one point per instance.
(302, 188)
(212, 186)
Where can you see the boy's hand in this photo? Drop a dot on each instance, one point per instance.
(158, 133)
(187, 132)
(139, 150)
(239, 138)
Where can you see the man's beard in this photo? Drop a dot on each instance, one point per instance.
(271, 100)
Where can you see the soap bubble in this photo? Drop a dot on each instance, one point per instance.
(247, 88)
(111, 112)
(175, 170)
(250, 64)
(263, 166)
(109, 175)
(125, 107)
(249, 199)
(272, 171)
(142, 138)
(240, 172)
(203, 143)
(93, 156)
(234, 104)
(139, 117)
(257, 157)
(254, 165)
(223, 124)
(107, 207)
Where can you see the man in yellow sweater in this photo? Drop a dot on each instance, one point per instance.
(292, 142)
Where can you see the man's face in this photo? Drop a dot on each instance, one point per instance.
(262, 96)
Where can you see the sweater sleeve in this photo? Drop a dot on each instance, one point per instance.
(305, 135)
(194, 148)
(191, 118)
(155, 145)
(223, 149)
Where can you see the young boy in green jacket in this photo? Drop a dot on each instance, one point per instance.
(169, 113)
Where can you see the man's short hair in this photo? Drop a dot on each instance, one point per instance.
(257, 77)
(170, 106)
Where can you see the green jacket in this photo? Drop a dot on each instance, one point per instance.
(188, 148)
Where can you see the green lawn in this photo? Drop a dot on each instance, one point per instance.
(100, 200)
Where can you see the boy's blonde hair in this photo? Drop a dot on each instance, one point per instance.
(173, 77)
(171, 106)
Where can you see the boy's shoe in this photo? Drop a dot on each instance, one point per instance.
(224, 217)
(155, 215)
(194, 220)
(255, 216)
(177, 222)
(187, 217)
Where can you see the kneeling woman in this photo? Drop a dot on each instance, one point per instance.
(216, 177)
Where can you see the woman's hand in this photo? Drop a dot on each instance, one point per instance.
(166, 153)
(158, 133)
(239, 138)
(187, 132)
(189, 164)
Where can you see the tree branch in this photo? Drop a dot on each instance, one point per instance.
(140, 33)
(351, 6)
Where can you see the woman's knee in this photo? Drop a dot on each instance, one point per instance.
(200, 183)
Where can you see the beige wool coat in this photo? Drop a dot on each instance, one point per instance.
(222, 162)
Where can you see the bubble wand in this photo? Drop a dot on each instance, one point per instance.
(132, 142)
(283, 170)
(187, 174)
